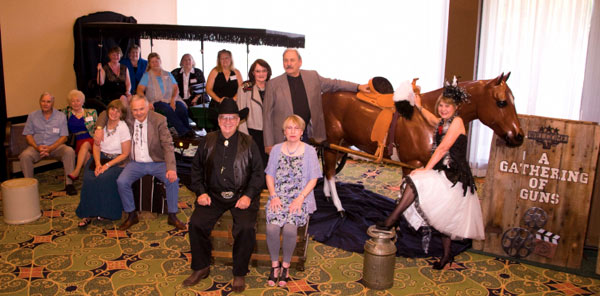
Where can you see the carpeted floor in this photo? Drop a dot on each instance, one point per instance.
(52, 256)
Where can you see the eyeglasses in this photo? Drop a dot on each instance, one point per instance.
(292, 128)
(228, 117)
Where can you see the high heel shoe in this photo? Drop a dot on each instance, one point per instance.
(272, 281)
(439, 265)
(283, 276)
(73, 178)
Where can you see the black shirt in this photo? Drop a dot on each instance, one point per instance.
(222, 176)
(299, 98)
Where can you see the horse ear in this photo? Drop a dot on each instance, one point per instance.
(499, 80)
(507, 75)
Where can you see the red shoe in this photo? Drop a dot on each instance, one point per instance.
(73, 178)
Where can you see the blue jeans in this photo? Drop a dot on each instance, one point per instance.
(134, 171)
(178, 118)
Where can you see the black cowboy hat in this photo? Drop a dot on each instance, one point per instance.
(229, 106)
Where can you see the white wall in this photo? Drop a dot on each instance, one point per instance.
(351, 40)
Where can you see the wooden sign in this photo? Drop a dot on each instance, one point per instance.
(536, 198)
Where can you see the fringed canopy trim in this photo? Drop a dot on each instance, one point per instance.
(197, 33)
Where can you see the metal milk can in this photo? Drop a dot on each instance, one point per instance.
(379, 259)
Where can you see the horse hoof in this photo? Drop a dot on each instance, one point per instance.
(342, 214)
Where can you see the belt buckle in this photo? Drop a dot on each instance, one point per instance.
(227, 194)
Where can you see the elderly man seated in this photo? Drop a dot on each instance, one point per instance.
(152, 153)
(46, 133)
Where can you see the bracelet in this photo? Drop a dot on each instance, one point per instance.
(107, 165)
(419, 108)
(272, 196)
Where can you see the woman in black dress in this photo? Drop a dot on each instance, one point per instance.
(442, 194)
(113, 78)
(223, 81)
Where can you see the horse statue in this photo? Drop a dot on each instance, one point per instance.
(349, 121)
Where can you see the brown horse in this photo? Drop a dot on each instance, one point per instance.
(349, 122)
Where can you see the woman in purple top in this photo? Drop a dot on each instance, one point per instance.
(291, 176)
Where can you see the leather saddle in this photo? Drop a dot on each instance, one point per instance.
(381, 96)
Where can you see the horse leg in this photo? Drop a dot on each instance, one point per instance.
(329, 189)
(326, 189)
(335, 198)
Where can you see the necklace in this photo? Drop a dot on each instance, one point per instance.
(287, 146)
(78, 114)
(110, 132)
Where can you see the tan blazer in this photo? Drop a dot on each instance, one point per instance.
(278, 104)
(160, 142)
(252, 100)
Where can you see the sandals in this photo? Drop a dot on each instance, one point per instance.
(84, 222)
(272, 281)
(283, 276)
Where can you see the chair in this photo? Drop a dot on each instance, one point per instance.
(14, 144)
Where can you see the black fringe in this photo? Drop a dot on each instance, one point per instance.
(197, 33)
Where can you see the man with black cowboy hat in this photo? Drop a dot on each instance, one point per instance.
(227, 174)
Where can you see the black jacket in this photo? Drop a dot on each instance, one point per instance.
(197, 87)
(248, 169)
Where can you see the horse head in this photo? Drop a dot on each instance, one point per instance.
(495, 107)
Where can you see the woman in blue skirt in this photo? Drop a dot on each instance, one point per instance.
(99, 194)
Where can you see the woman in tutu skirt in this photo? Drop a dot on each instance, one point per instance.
(442, 194)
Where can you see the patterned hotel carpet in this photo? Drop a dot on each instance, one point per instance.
(52, 256)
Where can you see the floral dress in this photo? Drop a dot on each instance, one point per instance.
(288, 184)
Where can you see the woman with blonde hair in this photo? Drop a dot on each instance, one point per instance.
(291, 175)
(81, 124)
(224, 79)
(162, 92)
(442, 195)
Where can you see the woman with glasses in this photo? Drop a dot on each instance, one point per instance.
(291, 176)
(251, 95)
